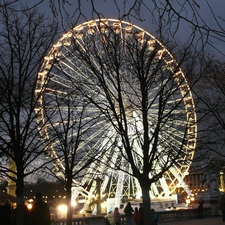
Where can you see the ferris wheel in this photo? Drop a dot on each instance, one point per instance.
(68, 73)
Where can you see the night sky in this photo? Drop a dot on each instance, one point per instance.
(108, 9)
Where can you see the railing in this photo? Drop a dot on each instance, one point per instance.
(89, 220)
(182, 214)
(164, 216)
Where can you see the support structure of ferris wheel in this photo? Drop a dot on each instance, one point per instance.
(63, 68)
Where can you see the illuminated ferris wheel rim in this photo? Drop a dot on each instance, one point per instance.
(188, 99)
(108, 23)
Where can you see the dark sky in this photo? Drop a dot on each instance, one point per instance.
(108, 9)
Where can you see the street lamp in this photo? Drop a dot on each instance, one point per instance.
(30, 203)
(62, 210)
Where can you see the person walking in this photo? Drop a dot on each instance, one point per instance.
(116, 215)
(137, 216)
(128, 213)
(222, 205)
(40, 213)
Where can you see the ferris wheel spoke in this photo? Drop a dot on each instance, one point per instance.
(71, 68)
(97, 65)
(102, 145)
(60, 81)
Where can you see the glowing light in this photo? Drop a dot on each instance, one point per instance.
(151, 44)
(103, 205)
(62, 211)
(82, 211)
(67, 41)
(73, 203)
(104, 26)
(192, 198)
(138, 194)
(79, 35)
(29, 206)
(91, 30)
(117, 27)
(62, 208)
(188, 200)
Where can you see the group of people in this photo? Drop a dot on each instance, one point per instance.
(134, 214)
(38, 214)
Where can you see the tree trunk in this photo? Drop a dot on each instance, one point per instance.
(19, 196)
(68, 199)
(146, 202)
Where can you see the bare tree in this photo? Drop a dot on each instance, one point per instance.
(25, 39)
(145, 101)
(70, 122)
(210, 94)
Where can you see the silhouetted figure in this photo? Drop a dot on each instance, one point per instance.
(154, 217)
(128, 213)
(137, 216)
(40, 213)
(6, 213)
(116, 215)
(26, 216)
(200, 207)
(141, 210)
